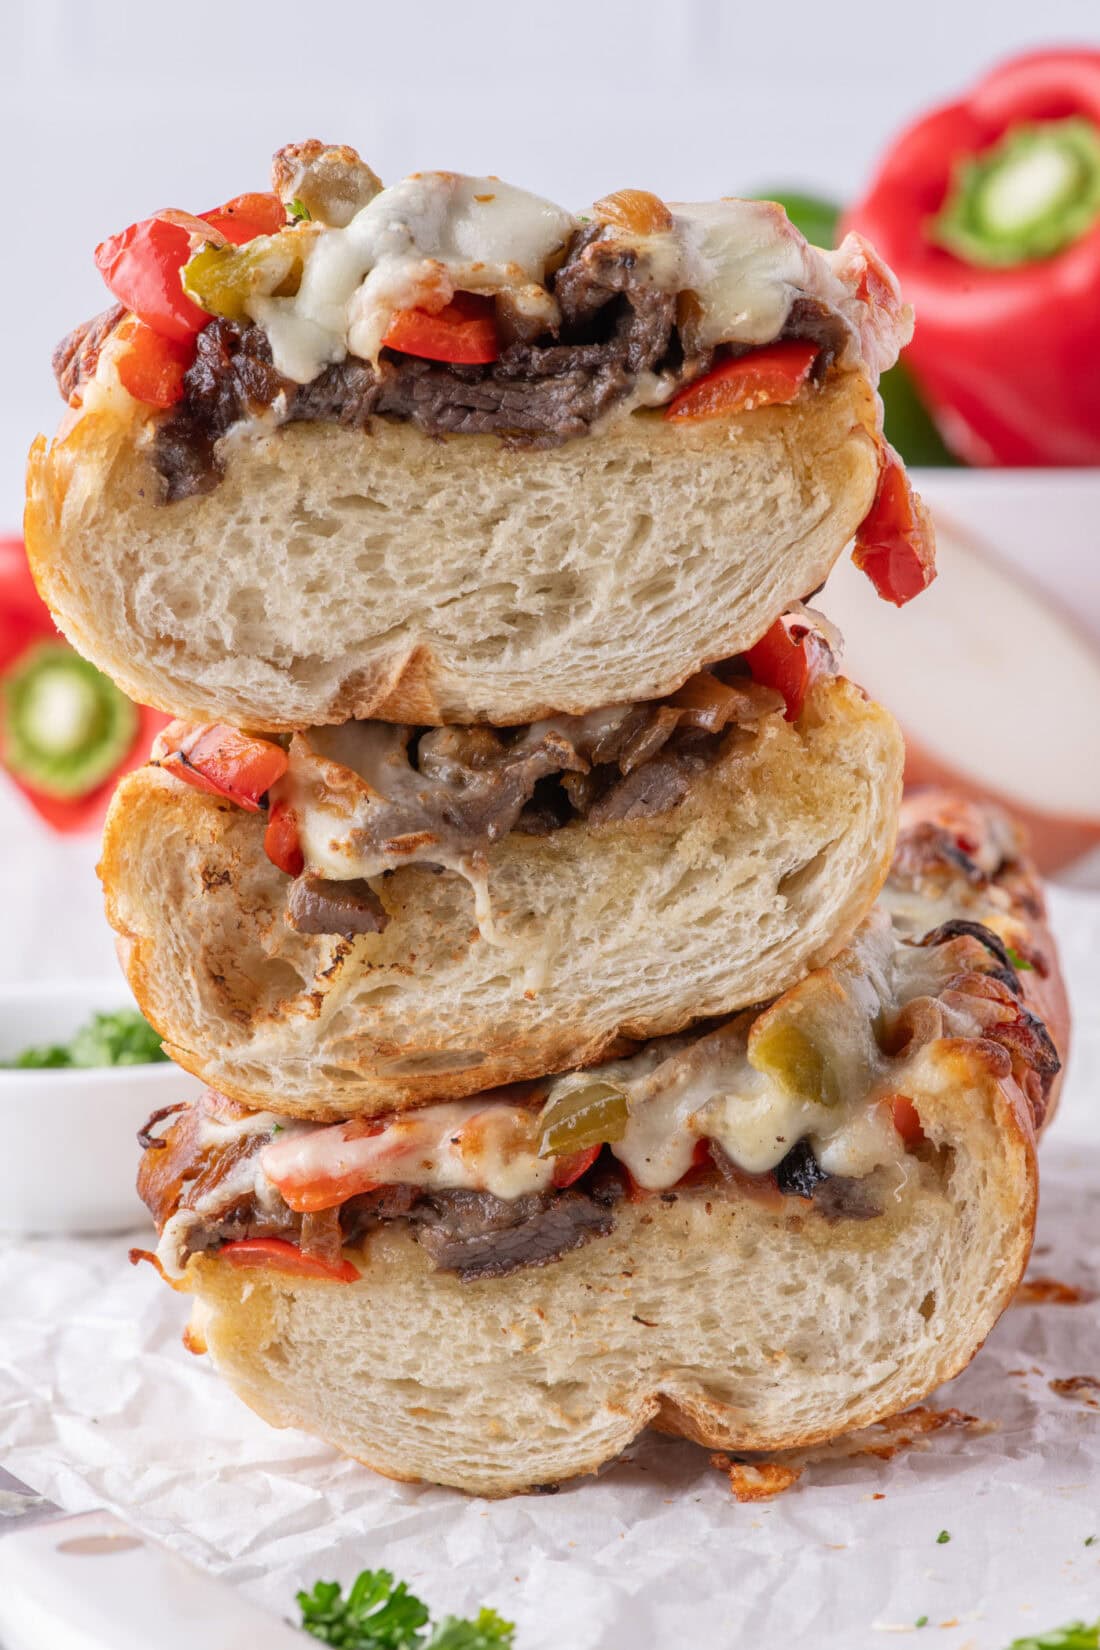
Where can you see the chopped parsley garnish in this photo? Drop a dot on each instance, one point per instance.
(1019, 962)
(1074, 1636)
(120, 1039)
(944, 1536)
(1090, 1541)
(921, 1621)
(381, 1614)
(299, 212)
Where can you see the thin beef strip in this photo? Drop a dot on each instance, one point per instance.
(459, 789)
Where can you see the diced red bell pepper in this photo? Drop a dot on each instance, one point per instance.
(246, 216)
(217, 759)
(279, 1256)
(463, 332)
(770, 376)
(142, 263)
(789, 657)
(141, 266)
(572, 1165)
(282, 844)
(308, 1189)
(895, 543)
(906, 1120)
(151, 367)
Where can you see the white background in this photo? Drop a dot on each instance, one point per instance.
(110, 109)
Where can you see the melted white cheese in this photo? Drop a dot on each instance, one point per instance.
(422, 240)
(745, 263)
(458, 1145)
(415, 244)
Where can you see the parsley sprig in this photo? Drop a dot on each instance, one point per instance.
(1074, 1636)
(381, 1614)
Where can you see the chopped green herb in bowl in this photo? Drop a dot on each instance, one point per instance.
(121, 1038)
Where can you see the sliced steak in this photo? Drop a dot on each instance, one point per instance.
(481, 1236)
(617, 324)
(318, 906)
(800, 1174)
(76, 357)
(835, 1196)
(244, 1219)
(657, 786)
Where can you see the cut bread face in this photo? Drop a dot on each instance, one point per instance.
(723, 1321)
(340, 573)
(603, 934)
(745, 1309)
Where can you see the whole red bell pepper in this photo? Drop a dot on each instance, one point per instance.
(28, 637)
(988, 211)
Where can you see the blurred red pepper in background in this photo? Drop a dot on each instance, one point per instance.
(988, 211)
(71, 785)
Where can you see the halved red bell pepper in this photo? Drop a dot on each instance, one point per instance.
(217, 759)
(790, 657)
(277, 1255)
(769, 376)
(26, 627)
(463, 332)
(282, 844)
(24, 616)
(988, 211)
(896, 543)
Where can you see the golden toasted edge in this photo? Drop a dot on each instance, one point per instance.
(1043, 984)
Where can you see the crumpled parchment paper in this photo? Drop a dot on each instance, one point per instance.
(101, 1405)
